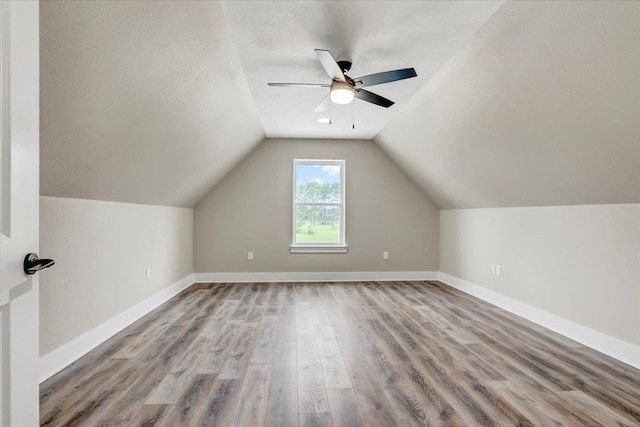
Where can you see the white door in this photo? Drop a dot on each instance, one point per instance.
(19, 210)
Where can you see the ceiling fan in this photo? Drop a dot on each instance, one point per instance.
(343, 88)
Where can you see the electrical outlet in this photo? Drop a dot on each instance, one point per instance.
(385, 255)
(493, 269)
(250, 256)
(498, 269)
(148, 271)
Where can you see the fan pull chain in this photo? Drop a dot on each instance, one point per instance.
(353, 115)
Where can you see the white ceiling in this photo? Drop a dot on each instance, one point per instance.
(154, 102)
(141, 101)
(539, 108)
(276, 42)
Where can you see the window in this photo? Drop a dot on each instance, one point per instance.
(318, 206)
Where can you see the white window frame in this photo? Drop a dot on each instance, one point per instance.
(340, 247)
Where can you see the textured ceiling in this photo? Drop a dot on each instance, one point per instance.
(141, 102)
(276, 42)
(519, 104)
(539, 108)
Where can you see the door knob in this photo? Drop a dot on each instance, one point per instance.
(32, 264)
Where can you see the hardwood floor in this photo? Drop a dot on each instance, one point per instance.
(341, 354)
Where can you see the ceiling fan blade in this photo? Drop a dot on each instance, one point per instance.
(299, 84)
(386, 77)
(371, 97)
(330, 65)
(323, 104)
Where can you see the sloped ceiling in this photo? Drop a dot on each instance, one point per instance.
(533, 104)
(276, 42)
(141, 101)
(540, 107)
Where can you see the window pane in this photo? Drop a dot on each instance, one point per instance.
(317, 183)
(317, 224)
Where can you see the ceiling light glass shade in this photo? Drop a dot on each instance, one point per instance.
(341, 93)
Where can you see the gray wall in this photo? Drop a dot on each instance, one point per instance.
(101, 251)
(251, 210)
(578, 262)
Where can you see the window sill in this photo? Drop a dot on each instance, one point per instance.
(318, 249)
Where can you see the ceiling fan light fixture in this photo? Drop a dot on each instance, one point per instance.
(343, 88)
(341, 93)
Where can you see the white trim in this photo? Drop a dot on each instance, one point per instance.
(5, 206)
(62, 357)
(5, 369)
(5, 124)
(65, 355)
(338, 276)
(614, 347)
(318, 249)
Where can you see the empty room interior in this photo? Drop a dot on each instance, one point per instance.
(321, 213)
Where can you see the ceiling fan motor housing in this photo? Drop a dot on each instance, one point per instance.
(345, 65)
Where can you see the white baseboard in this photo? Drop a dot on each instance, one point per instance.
(62, 357)
(338, 276)
(614, 347)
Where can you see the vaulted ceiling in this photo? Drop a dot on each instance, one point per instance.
(515, 104)
(540, 107)
(140, 101)
(276, 43)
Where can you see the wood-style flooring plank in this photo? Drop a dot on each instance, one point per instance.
(312, 395)
(282, 405)
(215, 354)
(375, 406)
(315, 420)
(346, 354)
(239, 352)
(220, 405)
(265, 341)
(600, 412)
(287, 324)
(149, 416)
(344, 407)
(189, 407)
(153, 374)
(333, 368)
(252, 401)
